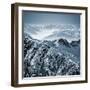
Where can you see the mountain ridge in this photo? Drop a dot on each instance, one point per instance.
(50, 58)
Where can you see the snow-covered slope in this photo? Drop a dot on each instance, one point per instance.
(50, 58)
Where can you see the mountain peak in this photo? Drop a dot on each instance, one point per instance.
(27, 35)
(64, 42)
(75, 43)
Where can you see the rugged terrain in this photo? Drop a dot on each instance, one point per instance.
(50, 58)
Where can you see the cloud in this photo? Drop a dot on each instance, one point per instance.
(53, 31)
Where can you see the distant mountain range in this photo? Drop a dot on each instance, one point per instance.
(53, 31)
(50, 58)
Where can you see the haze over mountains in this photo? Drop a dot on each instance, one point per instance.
(53, 31)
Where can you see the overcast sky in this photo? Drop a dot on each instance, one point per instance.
(33, 17)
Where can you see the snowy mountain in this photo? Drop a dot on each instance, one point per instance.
(50, 58)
